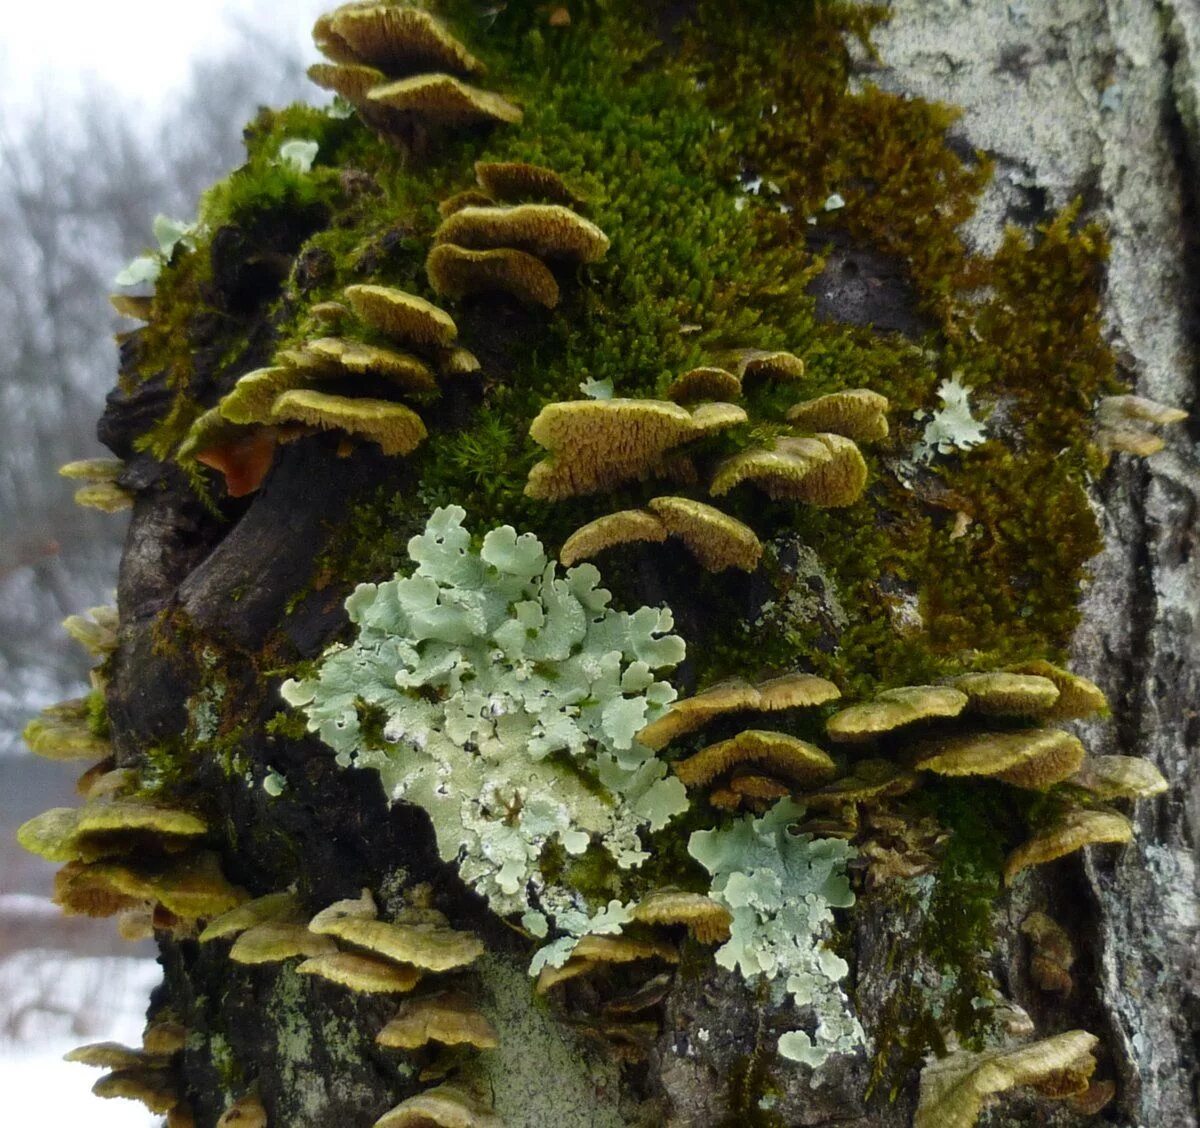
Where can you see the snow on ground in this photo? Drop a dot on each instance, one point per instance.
(52, 1001)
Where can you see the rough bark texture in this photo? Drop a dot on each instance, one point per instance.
(1072, 98)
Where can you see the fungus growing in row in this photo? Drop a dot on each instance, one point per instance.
(798, 761)
(857, 414)
(1071, 831)
(276, 941)
(871, 781)
(545, 230)
(64, 738)
(444, 1106)
(396, 428)
(333, 357)
(1031, 758)
(778, 471)
(397, 39)
(774, 365)
(251, 397)
(707, 920)
(103, 494)
(1124, 425)
(598, 444)
(137, 307)
(441, 99)
(789, 691)
(1006, 694)
(699, 384)
(627, 526)
(430, 946)
(468, 198)
(364, 975)
(164, 1037)
(1120, 777)
(352, 81)
(92, 470)
(404, 318)
(513, 182)
(95, 630)
(273, 908)
(113, 1055)
(246, 1112)
(1052, 953)
(456, 273)
(895, 709)
(154, 1088)
(448, 1018)
(102, 828)
(593, 952)
(955, 1088)
(1077, 696)
(717, 540)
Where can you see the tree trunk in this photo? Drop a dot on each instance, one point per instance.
(222, 597)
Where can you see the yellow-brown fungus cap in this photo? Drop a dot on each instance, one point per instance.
(60, 739)
(164, 1037)
(342, 357)
(92, 470)
(1072, 831)
(104, 827)
(272, 908)
(514, 182)
(247, 1112)
(955, 1088)
(95, 630)
(441, 99)
(396, 428)
(427, 946)
(353, 81)
(767, 364)
(329, 43)
(365, 975)
(398, 39)
(1077, 696)
(113, 1055)
(715, 539)
(707, 920)
(362, 907)
(598, 444)
(152, 1087)
(550, 976)
(403, 317)
(757, 788)
(795, 691)
(895, 709)
(1120, 777)
(250, 399)
(1004, 694)
(444, 1106)
(190, 887)
(699, 384)
(544, 230)
(1052, 954)
(777, 471)
(857, 414)
(691, 713)
(137, 307)
(870, 781)
(457, 272)
(624, 527)
(448, 1018)
(1032, 758)
(107, 497)
(469, 198)
(837, 482)
(622, 949)
(784, 755)
(276, 941)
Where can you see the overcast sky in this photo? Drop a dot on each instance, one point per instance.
(142, 48)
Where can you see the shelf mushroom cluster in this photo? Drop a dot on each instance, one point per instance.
(504, 236)
(315, 385)
(101, 487)
(403, 71)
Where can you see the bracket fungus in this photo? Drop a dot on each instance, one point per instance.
(442, 99)
(444, 1106)
(113, 1055)
(1120, 777)
(272, 908)
(276, 941)
(336, 356)
(245, 1112)
(448, 1018)
(1052, 953)
(1077, 696)
(823, 470)
(431, 947)
(763, 365)
(1071, 831)
(457, 272)
(1124, 425)
(154, 1088)
(1032, 758)
(403, 317)
(545, 230)
(707, 920)
(106, 827)
(95, 630)
(796, 760)
(858, 414)
(514, 182)
(397, 39)
(895, 709)
(64, 738)
(100, 489)
(699, 384)
(396, 428)
(1005, 694)
(597, 444)
(364, 975)
(627, 526)
(954, 1089)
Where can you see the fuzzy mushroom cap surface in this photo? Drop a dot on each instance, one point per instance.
(895, 709)
(251, 397)
(164, 1037)
(92, 470)
(248, 1112)
(691, 713)
(1032, 758)
(624, 527)
(545, 230)
(954, 1089)
(1005, 694)
(837, 482)
(858, 414)
(442, 99)
(622, 949)
(444, 1106)
(514, 182)
(700, 384)
(715, 539)
(1121, 777)
(95, 630)
(107, 497)
(1074, 830)
(53, 738)
(152, 1087)
(788, 756)
(598, 444)
(870, 781)
(427, 946)
(458, 272)
(398, 39)
(104, 827)
(365, 975)
(272, 908)
(113, 1055)
(402, 317)
(448, 1018)
(707, 920)
(766, 364)
(396, 428)
(778, 471)
(276, 941)
(341, 357)
(795, 691)
(1077, 696)
(353, 81)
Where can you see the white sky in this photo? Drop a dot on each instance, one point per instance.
(140, 47)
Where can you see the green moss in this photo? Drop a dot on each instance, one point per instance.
(750, 1093)
(97, 715)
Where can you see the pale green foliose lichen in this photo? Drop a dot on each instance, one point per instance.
(952, 427)
(509, 697)
(781, 889)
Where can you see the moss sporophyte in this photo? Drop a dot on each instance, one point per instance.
(541, 287)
